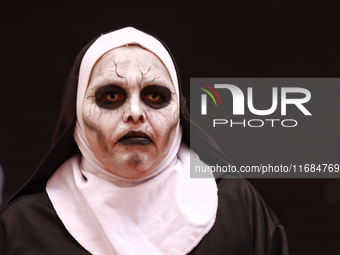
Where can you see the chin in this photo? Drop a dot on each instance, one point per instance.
(133, 165)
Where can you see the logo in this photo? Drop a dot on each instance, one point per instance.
(238, 103)
(204, 98)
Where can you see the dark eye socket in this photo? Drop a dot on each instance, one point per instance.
(156, 96)
(110, 96)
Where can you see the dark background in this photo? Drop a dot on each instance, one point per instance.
(40, 40)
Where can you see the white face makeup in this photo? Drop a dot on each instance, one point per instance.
(130, 111)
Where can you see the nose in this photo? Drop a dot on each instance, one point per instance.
(134, 111)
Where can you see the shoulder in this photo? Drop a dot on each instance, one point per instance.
(233, 185)
(244, 223)
(240, 191)
(25, 212)
(29, 225)
(239, 198)
(30, 203)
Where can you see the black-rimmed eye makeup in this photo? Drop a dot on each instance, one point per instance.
(110, 96)
(156, 96)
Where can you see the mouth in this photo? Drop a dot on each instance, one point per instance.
(135, 137)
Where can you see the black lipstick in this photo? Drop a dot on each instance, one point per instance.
(135, 137)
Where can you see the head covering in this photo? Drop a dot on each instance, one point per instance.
(64, 147)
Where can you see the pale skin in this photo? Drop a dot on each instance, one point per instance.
(130, 111)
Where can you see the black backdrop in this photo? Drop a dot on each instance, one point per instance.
(40, 40)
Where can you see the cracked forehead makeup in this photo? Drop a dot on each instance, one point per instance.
(110, 80)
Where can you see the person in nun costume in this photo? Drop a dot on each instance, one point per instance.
(117, 177)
